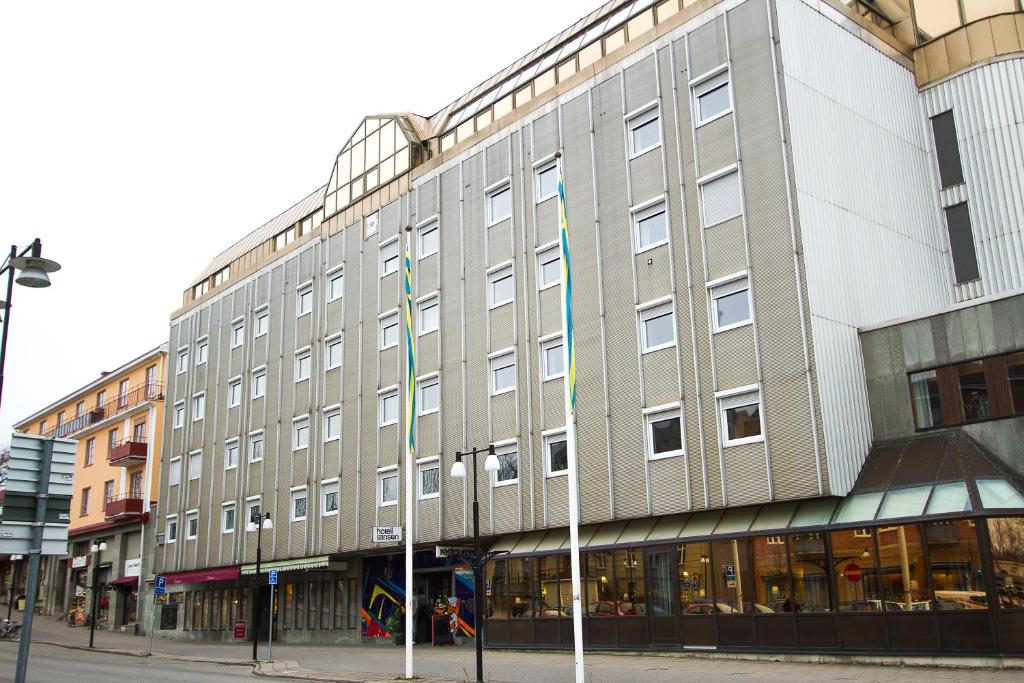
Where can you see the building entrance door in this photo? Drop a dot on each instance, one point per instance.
(662, 596)
(431, 590)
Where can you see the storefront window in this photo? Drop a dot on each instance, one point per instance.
(215, 610)
(956, 565)
(325, 604)
(243, 612)
(600, 584)
(289, 605)
(207, 601)
(547, 586)
(188, 612)
(520, 592)
(901, 561)
(314, 604)
(339, 604)
(808, 561)
(630, 591)
(733, 584)
(661, 572)
(495, 585)
(565, 585)
(695, 578)
(771, 574)
(353, 603)
(855, 570)
(225, 610)
(1007, 536)
(300, 606)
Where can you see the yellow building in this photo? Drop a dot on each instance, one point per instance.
(118, 421)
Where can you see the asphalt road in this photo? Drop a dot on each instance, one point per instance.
(49, 664)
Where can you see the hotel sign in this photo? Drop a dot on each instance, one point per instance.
(387, 534)
(456, 551)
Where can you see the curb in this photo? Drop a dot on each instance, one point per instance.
(138, 653)
(292, 670)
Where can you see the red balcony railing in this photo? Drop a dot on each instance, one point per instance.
(125, 504)
(129, 451)
(153, 391)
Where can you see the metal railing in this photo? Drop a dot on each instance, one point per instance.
(152, 391)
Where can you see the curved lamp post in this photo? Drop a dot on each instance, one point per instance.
(96, 549)
(258, 528)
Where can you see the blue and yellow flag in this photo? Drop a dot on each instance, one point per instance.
(563, 236)
(410, 402)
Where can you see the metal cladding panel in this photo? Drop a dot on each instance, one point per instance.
(547, 217)
(668, 485)
(747, 480)
(503, 416)
(736, 358)
(646, 176)
(506, 509)
(545, 136)
(501, 327)
(498, 163)
(305, 266)
(263, 289)
(846, 100)
(331, 458)
(988, 108)
(427, 275)
(368, 381)
(553, 398)
(335, 250)
(389, 364)
(716, 145)
(390, 451)
(653, 274)
(557, 501)
(551, 308)
(474, 313)
(356, 462)
(426, 520)
(426, 353)
(335, 313)
(708, 48)
(499, 243)
(641, 86)
(661, 383)
(390, 220)
(726, 250)
(427, 435)
(426, 199)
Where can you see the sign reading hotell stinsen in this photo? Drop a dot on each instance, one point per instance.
(387, 534)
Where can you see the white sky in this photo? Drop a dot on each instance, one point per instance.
(138, 140)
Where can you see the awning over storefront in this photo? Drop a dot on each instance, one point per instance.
(318, 562)
(203, 575)
(125, 581)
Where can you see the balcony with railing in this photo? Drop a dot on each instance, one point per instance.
(151, 391)
(124, 505)
(128, 452)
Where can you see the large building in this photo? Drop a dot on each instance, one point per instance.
(116, 420)
(749, 184)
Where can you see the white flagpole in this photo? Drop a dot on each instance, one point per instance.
(570, 442)
(410, 407)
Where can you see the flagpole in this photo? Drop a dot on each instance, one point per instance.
(569, 382)
(410, 413)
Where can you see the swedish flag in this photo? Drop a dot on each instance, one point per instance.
(410, 402)
(563, 236)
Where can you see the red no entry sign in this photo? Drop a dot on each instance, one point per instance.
(852, 572)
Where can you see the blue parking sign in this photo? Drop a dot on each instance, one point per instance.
(161, 586)
(273, 577)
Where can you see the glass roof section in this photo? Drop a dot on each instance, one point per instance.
(380, 150)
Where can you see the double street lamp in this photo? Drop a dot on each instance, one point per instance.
(258, 525)
(97, 548)
(491, 464)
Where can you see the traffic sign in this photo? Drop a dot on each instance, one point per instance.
(160, 587)
(852, 572)
(273, 577)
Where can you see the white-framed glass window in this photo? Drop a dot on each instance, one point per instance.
(730, 304)
(227, 518)
(508, 465)
(387, 487)
(231, 454)
(304, 300)
(371, 224)
(191, 525)
(650, 226)
(388, 330)
(499, 204)
(237, 332)
(503, 373)
(428, 399)
(195, 465)
(427, 315)
(500, 286)
(333, 352)
(300, 432)
(428, 479)
(202, 350)
(643, 130)
(253, 511)
(256, 446)
(657, 327)
(332, 423)
(335, 284)
(182, 365)
(556, 454)
(720, 198)
(303, 364)
(389, 258)
(663, 431)
(387, 410)
(740, 417)
(298, 506)
(329, 497)
(549, 267)
(551, 358)
(199, 406)
(171, 529)
(259, 382)
(174, 471)
(545, 180)
(711, 98)
(179, 414)
(235, 392)
(428, 239)
(261, 320)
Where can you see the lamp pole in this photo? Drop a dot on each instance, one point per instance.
(264, 523)
(459, 470)
(97, 549)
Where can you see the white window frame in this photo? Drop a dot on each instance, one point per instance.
(655, 414)
(638, 118)
(330, 343)
(297, 493)
(235, 392)
(298, 423)
(329, 412)
(382, 396)
(706, 83)
(202, 350)
(710, 178)
(382, 474)
(261, 371)
(371, 224)
(224, 507)
(261, 314)
(734, 398)
(424, 228)
(505, 448)
(228, 445)
(178, 415)
(423, 381)
(382, 261)
(305, 353)
(493, 361)
(249, 503)
(545, 343)
(539, 168)
(430, 300)
(731, 284)
(644, 211)
(426, 464)
(328, 486)
(383, 321)
(168, 536)
(182, 360)
(189, 516)
(300, 295)
(336, 274)
(237, 332)
(551, 436)
(195, 456)
(255, 436)
(198, 406)
(542, 253)
(490, 193)
(174, 471)
(494, 274)
(655, 309)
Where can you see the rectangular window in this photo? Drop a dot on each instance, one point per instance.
(259, 382)
(429, 479)
(427, 315)
(108, 491)
(303, 364)
(924, 390)
(956, 567)
(549, 268)
(112, 439)
(643, 131)
(237, 333)
(195, 465)
(299, 504)
(552, 359)
(262, 325)
(387, 487)
(664, 431)
(101, 396)
(711, 98)
(720, 199)
(1007, 540)
(740, 416)
(202, 351)
(730, 305)
(1015, 375)
(84, 509)
(231, 454)
(546, 185)
(191, 525)
(556, 454)
(235, 392)
(961, 243)
(371, 224)
(503, 373)
(335, 285)
(389, 258)
(499, 204)
(500, 287)
(122, 397)
(90, 451)
(79, 408)
(947, 149)
(253, 512)
(300, 433)
(428, 239)
(657, 327)
(429, 399)
(304, 301)
(171, 529)
(388, 408)
(650, 227)
(256, 447)
(181, 367)
(389, 331)
(174, 472)
(198, 407)
(227, 516)
(333, 353)
(332, 424)
(973, 391)
(329, 497)
(508, 466)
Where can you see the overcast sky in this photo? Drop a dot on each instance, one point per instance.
(138, 140)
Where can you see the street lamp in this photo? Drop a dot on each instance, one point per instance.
(459, 470)
(258, 528)
(96, 549)
(34, 269)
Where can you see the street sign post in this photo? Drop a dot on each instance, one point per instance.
(160, 585)
(270, 628)
(272, 578)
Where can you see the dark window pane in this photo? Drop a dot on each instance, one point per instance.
(961, 243)
(559, 456)
(661, 571)
(771, 575)
(520, 581)
(733, 582)
(666, 435)
(547, 587)
(1015, 373)
(630, 591)
(947, 150)
(901, 560)
(744, 421)
(973, 391)
(600, 601)
(495, 578)
(957, 577)
(810, 580)
(1007, 535)
(855, 571)
(924, 387)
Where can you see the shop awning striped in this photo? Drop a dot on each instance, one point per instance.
(300, 563)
